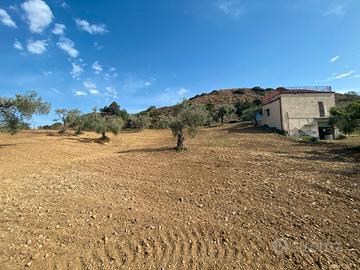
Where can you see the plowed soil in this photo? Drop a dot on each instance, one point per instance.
(237, 199)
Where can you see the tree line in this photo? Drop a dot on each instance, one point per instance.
(14, 112)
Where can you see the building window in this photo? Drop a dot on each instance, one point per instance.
(321, 109)
(267, 112)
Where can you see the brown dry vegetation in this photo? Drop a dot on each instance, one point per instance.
(239, 199)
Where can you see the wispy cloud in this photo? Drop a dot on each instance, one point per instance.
(337, 10)
(80, 93)
(5, 18)
(76, 71)
(231, 8)
(91, 28)
(18, 45)
(356, 76)
(97, 67)
(37, 47)
(38, 15)
(98, 46)
(111, 92)
(93, 91)
(172, 95)
(89, 84)
(68, 46)
(47, 72)
(341, 76)
(133, 84)
(182, 91)
(59, 29)
(111, 73)
(91, 87)
(334, 59)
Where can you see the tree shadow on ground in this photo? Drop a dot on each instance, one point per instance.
(60, 134)
(87, 140)
(147, 150)
(7, 145)
(330, 153)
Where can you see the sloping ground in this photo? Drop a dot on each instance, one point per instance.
(239, 199)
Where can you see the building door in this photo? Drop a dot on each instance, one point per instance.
(326, 131)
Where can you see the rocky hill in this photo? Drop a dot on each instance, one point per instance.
(220, 97)
(233, 95)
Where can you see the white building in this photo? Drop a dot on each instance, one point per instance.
(300, 111)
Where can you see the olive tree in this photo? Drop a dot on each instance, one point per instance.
(187, 116)
(347, 119)
(15, 111)
(67, 117)
(222, 111)
(140, 121)
(164, 121)
(104, 122)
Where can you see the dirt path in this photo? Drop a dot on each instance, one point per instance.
(239, 199)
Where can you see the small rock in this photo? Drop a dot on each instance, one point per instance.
(28, 264)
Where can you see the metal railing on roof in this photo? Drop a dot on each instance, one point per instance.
(311, 88)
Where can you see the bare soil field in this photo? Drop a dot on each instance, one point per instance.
(238, 199)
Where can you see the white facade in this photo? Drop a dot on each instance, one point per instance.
(300, 113)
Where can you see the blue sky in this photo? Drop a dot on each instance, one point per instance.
(81, 54)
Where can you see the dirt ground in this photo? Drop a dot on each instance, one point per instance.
(237, 199)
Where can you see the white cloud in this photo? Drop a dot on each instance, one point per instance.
(5, 18)
(356, 76)
(171, 95)
(18, 45)
(37, 47)
(91, 28)
(110, 74)
(38, 14)
(111, 92)
(47, 72)
(231, 8)
(341, 76)
(182, 91)
(59, 29)
(63, 4)
(97, 67)
(338, 10)
(98, 46)
(76, 70)
(80, 93)
(67, 45)
(334, 59)
(89, 84)
(132, 83)
(94, 91)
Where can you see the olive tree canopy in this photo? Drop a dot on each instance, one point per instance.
(187, 116)
(15, 111)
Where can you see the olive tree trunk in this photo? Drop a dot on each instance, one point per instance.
(103, 136)
(180, 141)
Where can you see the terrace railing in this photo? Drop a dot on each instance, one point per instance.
(311, 88)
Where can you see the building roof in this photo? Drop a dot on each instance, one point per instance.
(273, 95)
